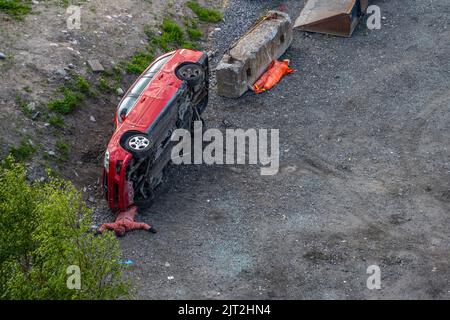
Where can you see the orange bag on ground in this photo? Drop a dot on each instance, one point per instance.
(276, 71)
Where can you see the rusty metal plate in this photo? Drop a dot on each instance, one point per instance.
(336, 17)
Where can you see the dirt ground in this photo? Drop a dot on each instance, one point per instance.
(365, 139)
(365, 163)
(42, 52)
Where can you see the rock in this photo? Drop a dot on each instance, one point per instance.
(36, 115)
(31, 106)
(217, 29)
(91, 199)
(120, 92)
(212, 54)
(170, 277)
(92, 118)
(51, 153)
(71, 66)
(95, 65)
(2, 56)
(61, 72)
(226, 123)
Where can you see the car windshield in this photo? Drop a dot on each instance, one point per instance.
(130, 100)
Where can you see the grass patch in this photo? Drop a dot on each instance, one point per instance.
(172, 37)
(67, 104)
(205, 14)
(172, 34)
(56, 121)
(82, 85)
(15, 8)
(62, 148)
(139, 62)
(194, 34)
(73, 95)
(23, 105)
(115, 73)
(24, 151)
(104, 86)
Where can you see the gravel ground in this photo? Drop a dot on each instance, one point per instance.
(364, 179)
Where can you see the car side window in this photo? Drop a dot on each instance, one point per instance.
(156, 67)
(126, 106)
(130, 100)
(140, 86)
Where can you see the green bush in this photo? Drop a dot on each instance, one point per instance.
(24, 151)
(205, 14)
(82, 85)
(67, 104)
(172, 33)
(44, 229)
(16, 8)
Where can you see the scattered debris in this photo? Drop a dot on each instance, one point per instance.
(170, 277)
(126, 262)
(92, 118)
(2, 56)
(120, 92)
(95, 65)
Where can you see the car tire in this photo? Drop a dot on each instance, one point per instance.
(191, 72)
(138, 144)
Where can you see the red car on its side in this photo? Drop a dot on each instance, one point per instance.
(170, 94)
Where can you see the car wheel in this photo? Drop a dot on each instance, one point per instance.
(192, 73)
(138, 144)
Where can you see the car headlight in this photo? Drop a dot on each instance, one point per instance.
(106, 160)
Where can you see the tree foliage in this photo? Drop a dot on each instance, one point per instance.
(44, 229)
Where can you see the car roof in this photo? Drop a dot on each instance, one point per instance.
(159, 91)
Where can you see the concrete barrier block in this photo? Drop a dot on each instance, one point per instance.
(249, 58)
